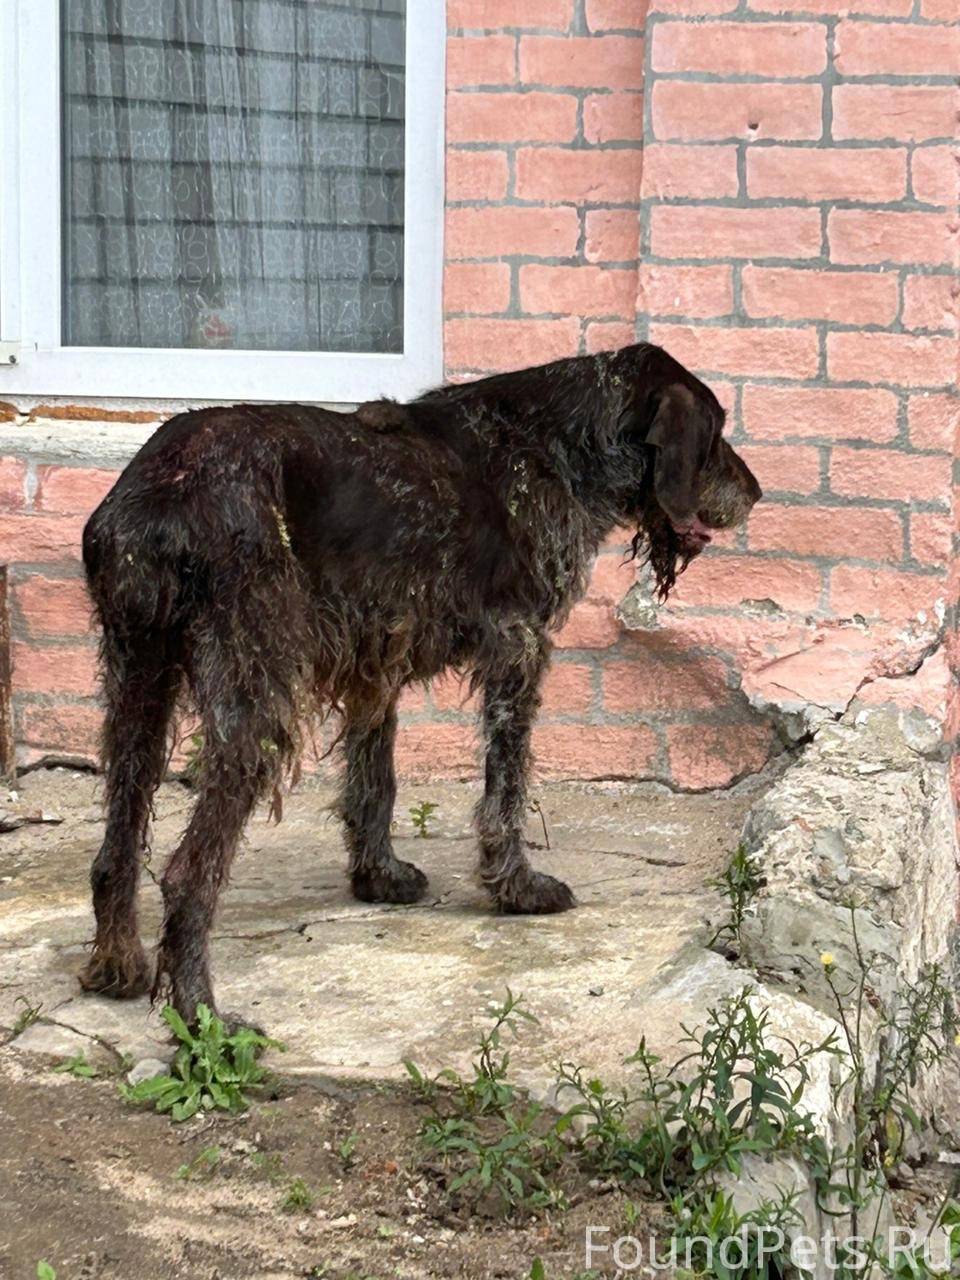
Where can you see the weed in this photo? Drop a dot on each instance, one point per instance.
(27, 1015)
(78, 1066)
(45, 1271)
(738, 885)
(201, 1166)
(211, 1070)
(701, 1226)
(421, 814)
(346, 1149)
(490, 1136)
(298, 1198)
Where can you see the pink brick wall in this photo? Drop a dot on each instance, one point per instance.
(769, 193)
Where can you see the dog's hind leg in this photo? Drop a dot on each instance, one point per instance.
(141, 682)
(243, 677)
(511, 696)
(366, 806)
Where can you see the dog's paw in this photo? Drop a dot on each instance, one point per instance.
(393, 881)
(535, 894)
(121, 976)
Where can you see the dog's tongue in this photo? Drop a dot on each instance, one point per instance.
(693, 530)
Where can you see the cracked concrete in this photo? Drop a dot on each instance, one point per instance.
(354, 989)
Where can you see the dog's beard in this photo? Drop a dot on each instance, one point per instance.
(658, 545)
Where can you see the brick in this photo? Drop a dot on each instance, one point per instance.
(590, 626)
(430, 751)
(875, 8)
(648, 683)
(496, 345)
(704, 172)
(555, 175)
(899, 112)
(491, 15)
(451, 692)
(91, 413)
(930, 302)
(771, 413)
(511, 117)
(609, 335)
(496, 233)
(693, 8)
(903, 359)
(870, 175)
(845, 297)
(613, 235)
(582, 62)
(935, 175)
(938, 10)
(593, 751)
(827, 531)
(480, 60)
(874, 236)
(934, 422)
(879, 49)
(613, 117)
(697, 292)
(53, 607)
(27, 538)
(612, 576)
(765, 353)
(476, 175)
(706, 756)
(412, 701)
(883, 593)
(72, 490)
(615, 15)
(690, 112)
(578, 291)
(729, 580)
(931, 537)
(54, 670)
(783, 468)
(698, 231)
(771, 50)
(567, 690)
(479, 288)
(13, 484)
(888, 473)
(63, 729)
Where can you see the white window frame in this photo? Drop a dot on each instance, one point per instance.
(31, 249)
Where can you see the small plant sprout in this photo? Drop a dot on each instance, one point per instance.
(27, 1015)
(738, 885)
(45, 1271)
(421, 814)
(347, 1148)
(201, 1166)
(211, 1071)
(298, 1197)
(77, 1066)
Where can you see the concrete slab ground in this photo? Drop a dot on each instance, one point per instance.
(353, 989)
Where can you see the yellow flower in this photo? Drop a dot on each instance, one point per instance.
(826, 959)
(956, 1038)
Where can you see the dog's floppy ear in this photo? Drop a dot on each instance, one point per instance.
(682, 435)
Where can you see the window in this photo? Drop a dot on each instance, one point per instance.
(221, 199)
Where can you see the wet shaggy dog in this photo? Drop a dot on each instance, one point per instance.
(279, 560)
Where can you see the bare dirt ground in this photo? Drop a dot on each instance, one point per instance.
(90, 1184)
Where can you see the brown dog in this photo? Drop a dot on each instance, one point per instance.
(280, 559)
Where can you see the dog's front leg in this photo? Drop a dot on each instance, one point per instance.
(511, 697)
(366, 806)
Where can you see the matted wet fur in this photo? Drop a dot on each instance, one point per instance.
(282, 560)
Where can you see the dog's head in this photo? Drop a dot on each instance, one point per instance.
(694, 482)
